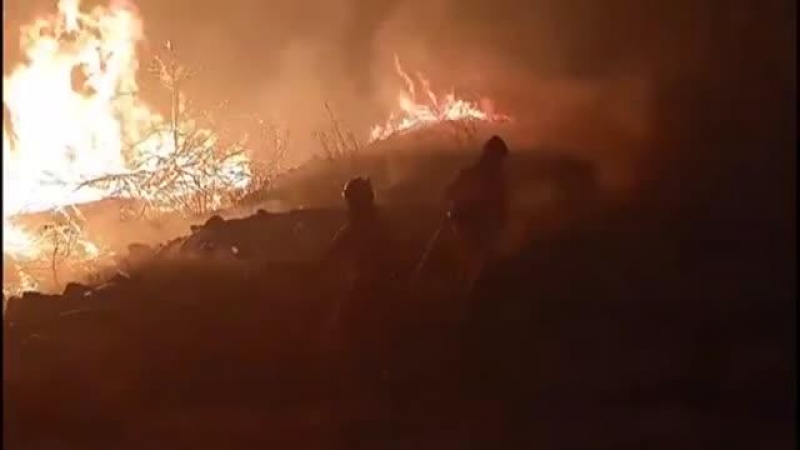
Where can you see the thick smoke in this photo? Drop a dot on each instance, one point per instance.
(598, 77)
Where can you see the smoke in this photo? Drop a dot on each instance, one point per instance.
(585, 75)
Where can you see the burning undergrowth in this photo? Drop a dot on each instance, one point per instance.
(183, 166)
(52, 254)
(77, 131)
(421, 107)
(103, 141)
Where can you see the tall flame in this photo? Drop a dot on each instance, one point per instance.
(71, 113)
(72, 106)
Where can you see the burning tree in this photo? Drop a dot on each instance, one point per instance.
(56, 250)
(180, 164)
(76, 131)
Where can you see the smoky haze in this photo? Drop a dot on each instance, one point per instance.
(580, 73)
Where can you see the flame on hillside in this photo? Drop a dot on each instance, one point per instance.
(421, 108)
(76, 131)
(71, 114)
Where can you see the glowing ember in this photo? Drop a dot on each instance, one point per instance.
(71, 114)
(423, 112)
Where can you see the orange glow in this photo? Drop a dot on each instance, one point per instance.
(420, 109)
(75, 116)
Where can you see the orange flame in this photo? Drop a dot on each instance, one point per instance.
(71, 113)
(419, 113)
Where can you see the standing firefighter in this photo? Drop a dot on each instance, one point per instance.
(361, 247)
(478, 208)
(362, 252)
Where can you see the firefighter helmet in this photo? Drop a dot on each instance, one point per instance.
(358, 191)
(495, 148)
